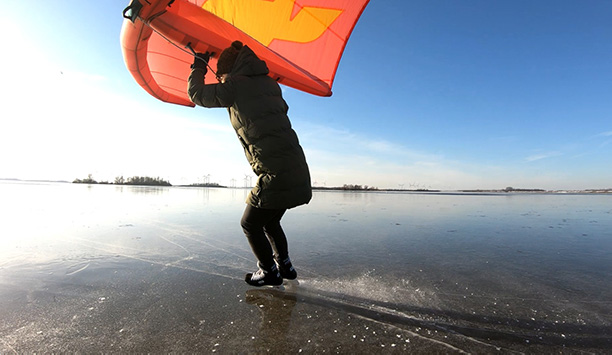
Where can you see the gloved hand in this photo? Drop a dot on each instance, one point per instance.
(200, 61)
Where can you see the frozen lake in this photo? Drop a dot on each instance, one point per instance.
(108, 268)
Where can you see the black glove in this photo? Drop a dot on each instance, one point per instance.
(200, 61)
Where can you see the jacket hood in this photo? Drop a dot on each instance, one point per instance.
(248, 64)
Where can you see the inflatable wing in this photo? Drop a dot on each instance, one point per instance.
(300, 40)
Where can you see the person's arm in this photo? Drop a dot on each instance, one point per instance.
(208, 95)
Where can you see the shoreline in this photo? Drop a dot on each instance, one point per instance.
(506, 191)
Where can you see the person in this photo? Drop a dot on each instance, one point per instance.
(258, 114)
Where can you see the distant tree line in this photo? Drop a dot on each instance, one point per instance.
(512, 189)
(358, 187)
(88, 180)
(120, 180)
(142, 180)
(507, 189)
(347, 187)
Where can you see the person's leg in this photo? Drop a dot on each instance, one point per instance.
(253, 222)
(269, 244)
(276, 236)
(278, 241)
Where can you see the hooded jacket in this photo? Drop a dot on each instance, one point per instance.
(258, 114)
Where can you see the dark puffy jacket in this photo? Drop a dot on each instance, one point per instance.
(258, 113)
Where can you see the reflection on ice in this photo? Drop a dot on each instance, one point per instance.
(89, 269)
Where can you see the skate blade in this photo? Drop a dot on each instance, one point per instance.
(287, 285)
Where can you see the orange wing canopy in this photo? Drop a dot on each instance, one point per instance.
(300, 40)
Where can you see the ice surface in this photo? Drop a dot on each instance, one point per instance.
(118, 269)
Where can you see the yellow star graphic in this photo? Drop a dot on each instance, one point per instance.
(266, 20)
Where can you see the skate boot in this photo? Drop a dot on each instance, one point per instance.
(286, 269)
(263, 277)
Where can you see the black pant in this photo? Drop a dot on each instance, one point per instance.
(265, 234)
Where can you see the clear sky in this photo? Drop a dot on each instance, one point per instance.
(429, 94)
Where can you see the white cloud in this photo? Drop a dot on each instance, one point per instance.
(353, 145)
(337, 157)
(340, 156)
(540, 156)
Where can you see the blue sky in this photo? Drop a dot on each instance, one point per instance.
(430, 94)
